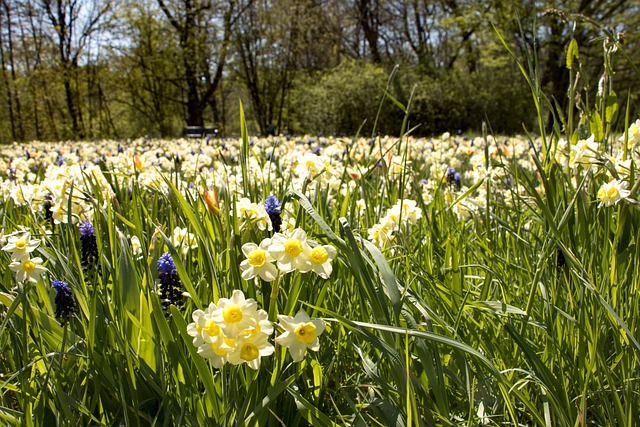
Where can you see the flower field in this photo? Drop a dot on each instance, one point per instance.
(453, 280)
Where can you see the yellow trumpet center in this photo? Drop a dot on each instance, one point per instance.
(29, 266)
(257, 257)
(612, 192)
(319, 255)
(293, 247)
(305, 333)
(218, 350)
(602, 193)
(211, 328)
(249, 351)
(21, 244)
(232, 314)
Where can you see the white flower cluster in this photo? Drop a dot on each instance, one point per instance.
(234, 330)
(632, 135)
(183, 240)
(610, 193)
(587, 152)
(45, 176)
(403, 214)
(252, 213)
(20, 245)
(584, 152)
(60, 184)
(290, 252)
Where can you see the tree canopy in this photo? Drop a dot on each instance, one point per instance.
(74, 69)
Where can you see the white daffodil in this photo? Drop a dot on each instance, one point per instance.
(633, 134)
(216, 350)
(253, 213)
(584, 152)
(321, 257)
(380, 234)
(409, 209)
(301, 333)
(612, 192)
(258, 262)
(28, 269)
(20, 246)
(235, 315)
(136, 247)
(203, 325)
(291, 253)
(263, 325)
(184, 240)
(249, 349)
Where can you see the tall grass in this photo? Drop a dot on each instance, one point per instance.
(510, 301)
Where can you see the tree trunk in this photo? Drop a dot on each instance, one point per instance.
(71, 105)
(11, 88)
(368, 17)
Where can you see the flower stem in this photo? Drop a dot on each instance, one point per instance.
(273, 301)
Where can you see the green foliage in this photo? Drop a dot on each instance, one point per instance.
(463, 100)
(343, 100)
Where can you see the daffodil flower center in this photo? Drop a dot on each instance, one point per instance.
(602, 193)
(612, 192)
(305, 332)
(249, 351)
(217, 350)
(29, 266)
(319, 255)
(211, 328)
(257, 257)
(232, 314)
(293, 248)
(254, 330)
(21, 244)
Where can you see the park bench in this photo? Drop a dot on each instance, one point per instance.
(199, 132)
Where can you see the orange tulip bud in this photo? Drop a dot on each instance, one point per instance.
(211, 200)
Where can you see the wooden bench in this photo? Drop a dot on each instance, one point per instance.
(199, 132)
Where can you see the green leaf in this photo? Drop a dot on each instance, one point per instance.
(389, 279)
(611, 111)
(306, 205)
(595, 125)
(572, 53)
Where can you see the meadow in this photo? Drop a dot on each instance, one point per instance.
(314, 280)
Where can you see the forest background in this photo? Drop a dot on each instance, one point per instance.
(81, 69)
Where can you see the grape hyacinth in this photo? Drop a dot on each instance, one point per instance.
(272, 206)
(169, 289)
(48, 215)
(65, 304)
(560, 259)
(453, 178)
(88, 246)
